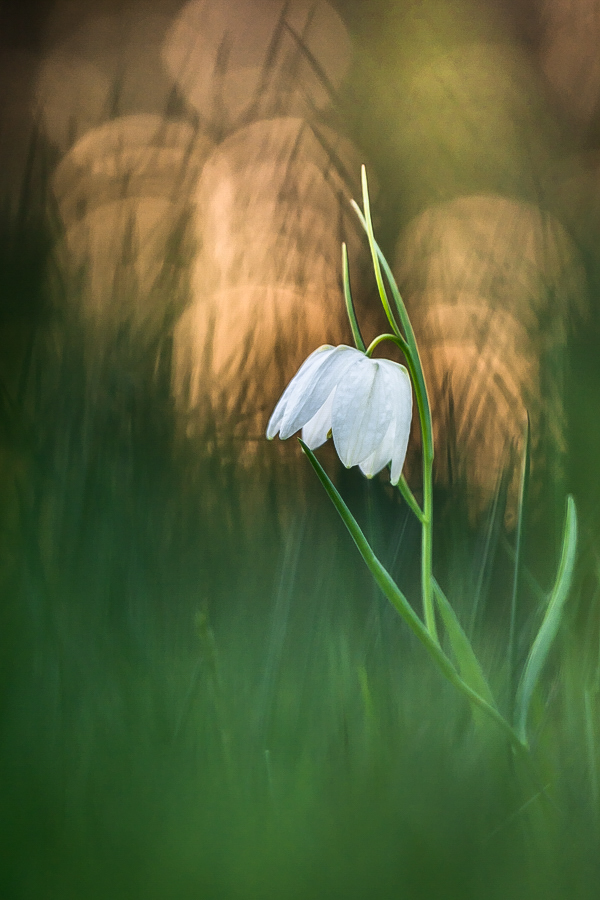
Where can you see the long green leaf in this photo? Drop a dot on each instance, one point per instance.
(358, 340)
(468, 664)
(393, 593)
(368, 226)
(549, 627)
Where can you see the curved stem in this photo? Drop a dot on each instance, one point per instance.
(395, 338)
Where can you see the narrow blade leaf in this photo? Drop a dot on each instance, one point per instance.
(549, 627)
(468, 664)
(521, 512)
(368, 226)
(358, 340)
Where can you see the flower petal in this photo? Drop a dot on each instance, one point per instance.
(316, 430)
(297, 386)
(402, 393)
(310, 395)
(382, 456)
(362, 411)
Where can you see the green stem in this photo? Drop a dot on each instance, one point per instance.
(427, 548)
(426, 515)
(410, 499)
(396, 338)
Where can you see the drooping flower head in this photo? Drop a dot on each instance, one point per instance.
(364, 403)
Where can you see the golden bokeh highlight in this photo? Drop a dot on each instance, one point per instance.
(491, 285)
(271, 209)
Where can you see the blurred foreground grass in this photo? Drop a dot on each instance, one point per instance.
(203, 696)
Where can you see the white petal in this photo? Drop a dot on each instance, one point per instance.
(314, 390)
(297, 387)
(315, 432)
(382, 456)
(402, 392)
(362, 411)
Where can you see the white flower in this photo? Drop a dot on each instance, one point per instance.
(366, 404)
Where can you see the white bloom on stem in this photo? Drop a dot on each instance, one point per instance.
(366, 404)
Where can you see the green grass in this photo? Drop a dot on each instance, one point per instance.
(203, 695)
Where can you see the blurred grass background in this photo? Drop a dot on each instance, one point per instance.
(202, 695)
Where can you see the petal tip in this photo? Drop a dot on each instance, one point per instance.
(272, 430)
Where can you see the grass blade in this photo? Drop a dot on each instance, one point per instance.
(360, 344)
(523, 491)
(468, 664)
(549, 627)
